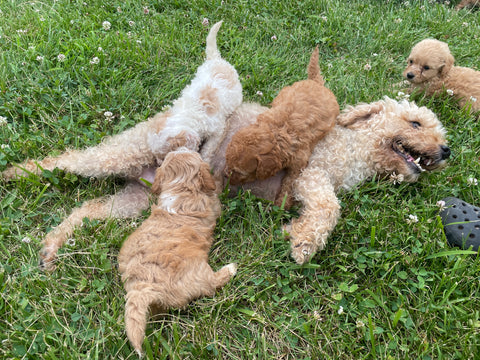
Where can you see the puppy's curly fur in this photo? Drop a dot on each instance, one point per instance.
(284, 136)
(384, 138)
(197, 117)
(164, 263)
(430, 68)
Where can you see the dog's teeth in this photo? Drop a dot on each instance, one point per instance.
(417, 161)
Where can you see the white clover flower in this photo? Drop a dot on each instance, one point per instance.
(367, 67)
(119, 9)
(4, 146)
(401, 95)
(3, 120)
(20, 31)
(205, 22)
(340, 310)
(26, 240)
(71, 242)
(146, 10)
(108, 115)
(95, 60)
(100, 49)
(129, 34)
(42, 18)
(450, 92)
(106, 25)
(472, 181)
(398, 21)
(412, 219)
(473, 99)
(273, 38)
(465, 24)
(441, 205)
(39, 58)
(259, 93)
(360, 324)
(61, 57)
(316, 315)
(324, 18)
(131, 23)
(139, 41)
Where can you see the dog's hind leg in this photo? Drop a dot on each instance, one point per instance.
(319, 216)
(137, 307)
(222, 276)
(129, 202)
(125, 154)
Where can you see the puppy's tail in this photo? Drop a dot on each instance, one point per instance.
(136, 311)
(314, 69)
(212, 50)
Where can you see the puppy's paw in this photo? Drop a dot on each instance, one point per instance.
(232, 269)
(47, 260)
(303, 251)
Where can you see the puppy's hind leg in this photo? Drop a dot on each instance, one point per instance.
(222, 276)
(136, 312)
(127, 203)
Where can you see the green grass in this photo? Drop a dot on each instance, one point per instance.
(381, 289)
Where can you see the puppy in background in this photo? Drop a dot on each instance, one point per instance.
(164, 263)
(430, 68)
(284, 136)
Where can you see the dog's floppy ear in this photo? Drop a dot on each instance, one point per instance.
(445, 69)
(355, 116)
(268, 165)
(206, 179)
(157, 183)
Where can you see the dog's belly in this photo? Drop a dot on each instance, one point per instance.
(265, 189)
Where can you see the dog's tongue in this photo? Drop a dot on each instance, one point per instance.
(410, 158)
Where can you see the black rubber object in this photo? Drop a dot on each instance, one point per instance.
(461, 223)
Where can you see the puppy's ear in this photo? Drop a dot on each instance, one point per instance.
(157, 183)
(355, 116)
(448, 65)
(268, 165)
(206, 179)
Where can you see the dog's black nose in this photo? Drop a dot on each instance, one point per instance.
(445, 152)
(410, 76)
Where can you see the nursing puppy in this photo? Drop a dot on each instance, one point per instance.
(284, 136)
(164, 263)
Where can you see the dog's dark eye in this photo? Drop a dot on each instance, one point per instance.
(415, 124)
(410, 61)
(426, 67)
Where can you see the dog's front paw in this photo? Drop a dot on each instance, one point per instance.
(47, 260)
(302, 251)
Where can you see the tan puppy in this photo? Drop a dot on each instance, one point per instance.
(284, 136)
(430, 68)
(164, 263)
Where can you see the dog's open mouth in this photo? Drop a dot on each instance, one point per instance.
(417, 161)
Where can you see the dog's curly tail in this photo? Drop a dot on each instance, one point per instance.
(314, 69)
(212, 50)
(136, 311)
